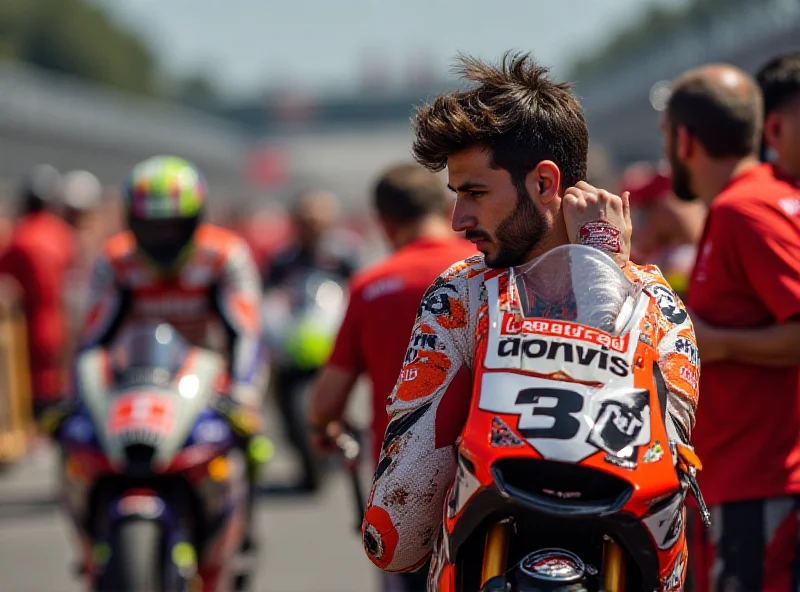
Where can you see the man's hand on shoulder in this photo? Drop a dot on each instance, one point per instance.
(598, 218)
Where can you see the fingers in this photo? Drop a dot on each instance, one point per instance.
(575, 199)
(626, 208)
(612, 201)
(582, 196)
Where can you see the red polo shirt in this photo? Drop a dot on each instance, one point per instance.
(38, 257)
(383, 305)
(748, 275)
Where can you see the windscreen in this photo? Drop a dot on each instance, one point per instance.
(148, 354)
(576, 283)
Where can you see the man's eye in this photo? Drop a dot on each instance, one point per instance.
(475, 193)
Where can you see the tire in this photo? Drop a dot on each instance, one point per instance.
(136, 560)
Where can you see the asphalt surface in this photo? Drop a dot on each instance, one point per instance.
(309, 543)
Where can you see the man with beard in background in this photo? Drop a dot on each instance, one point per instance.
(744, 296)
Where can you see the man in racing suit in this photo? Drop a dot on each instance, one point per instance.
(512, 145)
(169, 267)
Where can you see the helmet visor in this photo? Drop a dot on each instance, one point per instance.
(163, 240)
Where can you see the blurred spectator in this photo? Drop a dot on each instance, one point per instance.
(317, 242)
(82, 196)
(745, 299)
(779, 80)
(82, 207)
(671, 238)
(82, 200)
(6, 228)
(413, 206)
(318, 245)
(646, 185)
(266, 229)
(40, 252)
(666, 229)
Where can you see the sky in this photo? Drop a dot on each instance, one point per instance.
(324, 45)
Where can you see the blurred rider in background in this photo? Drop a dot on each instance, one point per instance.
(171, 267)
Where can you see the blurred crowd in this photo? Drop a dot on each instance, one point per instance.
(667, 229)
(53, 225)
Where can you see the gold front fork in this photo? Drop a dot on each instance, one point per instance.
(495, 553)
(613, 566)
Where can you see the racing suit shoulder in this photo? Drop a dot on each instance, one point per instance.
(217, 241)
(673, 335)
(466, 269)
(450, 306)
(229, 255)
(120, 247)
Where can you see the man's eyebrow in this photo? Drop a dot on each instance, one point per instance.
(468, 186)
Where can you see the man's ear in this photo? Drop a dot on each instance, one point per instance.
(387, 227)
(543, 182)
(772, 129)
(684, 143)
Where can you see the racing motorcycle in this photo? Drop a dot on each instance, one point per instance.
(151, 475)
(567, 479)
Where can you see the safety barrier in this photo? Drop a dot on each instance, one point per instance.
(16, 417)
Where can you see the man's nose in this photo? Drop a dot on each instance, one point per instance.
(462, 218)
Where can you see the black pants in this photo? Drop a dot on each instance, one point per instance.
(751, 546)
(290, 391)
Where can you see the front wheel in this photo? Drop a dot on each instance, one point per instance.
(138, 561)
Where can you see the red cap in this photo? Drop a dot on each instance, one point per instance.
(646, 183)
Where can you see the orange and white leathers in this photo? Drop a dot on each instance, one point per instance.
(216, 287)
(430, 403)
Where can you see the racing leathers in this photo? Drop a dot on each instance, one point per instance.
(430, 402)
(217, 287)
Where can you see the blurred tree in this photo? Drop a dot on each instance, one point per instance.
(198, 90)
(75, 37)
(656, 24)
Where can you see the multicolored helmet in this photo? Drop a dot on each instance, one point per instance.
(164, 200)
(165, 187)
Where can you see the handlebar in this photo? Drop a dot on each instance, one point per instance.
(347, 441)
